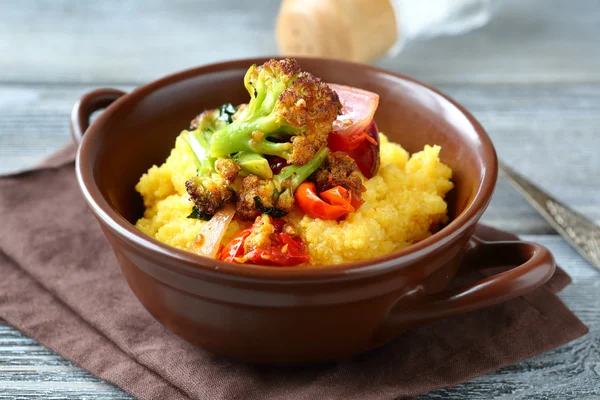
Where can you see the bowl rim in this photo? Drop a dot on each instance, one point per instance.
(195, 265)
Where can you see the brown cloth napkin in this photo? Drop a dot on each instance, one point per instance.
(62, 286)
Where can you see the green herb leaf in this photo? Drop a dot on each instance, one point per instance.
(272, 211)
(196, 214)
(227, 111)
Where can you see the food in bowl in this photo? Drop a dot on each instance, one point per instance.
(300, 175)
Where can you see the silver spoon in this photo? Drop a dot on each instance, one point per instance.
(580, 232)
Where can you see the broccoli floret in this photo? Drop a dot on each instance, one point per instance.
(209, 121)
(290, 115)
(209, 194)
(275, 197)
(210, 189)
(261, 235)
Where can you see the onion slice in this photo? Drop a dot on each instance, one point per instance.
(209, 238)
(358, 109)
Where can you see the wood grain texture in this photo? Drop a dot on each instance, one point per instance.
(133, 41)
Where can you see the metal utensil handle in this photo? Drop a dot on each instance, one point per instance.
(579, 231)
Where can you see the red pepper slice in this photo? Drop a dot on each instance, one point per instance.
(337, 196)
(340, 196)
(340, 201)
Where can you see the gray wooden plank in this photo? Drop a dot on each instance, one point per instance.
(61, 391)
(136, 41)
(28, 370)
(547, 132)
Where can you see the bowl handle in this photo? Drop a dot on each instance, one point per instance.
(88, 104)
(417, 307)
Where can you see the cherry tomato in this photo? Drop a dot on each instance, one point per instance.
(235, 248)
(354, 131)
(283, 251)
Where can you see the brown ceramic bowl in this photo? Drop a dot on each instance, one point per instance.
(295, 315)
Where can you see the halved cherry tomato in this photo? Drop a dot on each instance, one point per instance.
(283, 251)
(354, 131)
(340, 201)
(340, 142)
(366, 154)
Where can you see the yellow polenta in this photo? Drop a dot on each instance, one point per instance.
(402, 202)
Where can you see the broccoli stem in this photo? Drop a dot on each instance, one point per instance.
(238, 136)
(286, 183)
(296, 174)
(201, 150)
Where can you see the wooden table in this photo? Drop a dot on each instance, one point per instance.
(532, 77)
